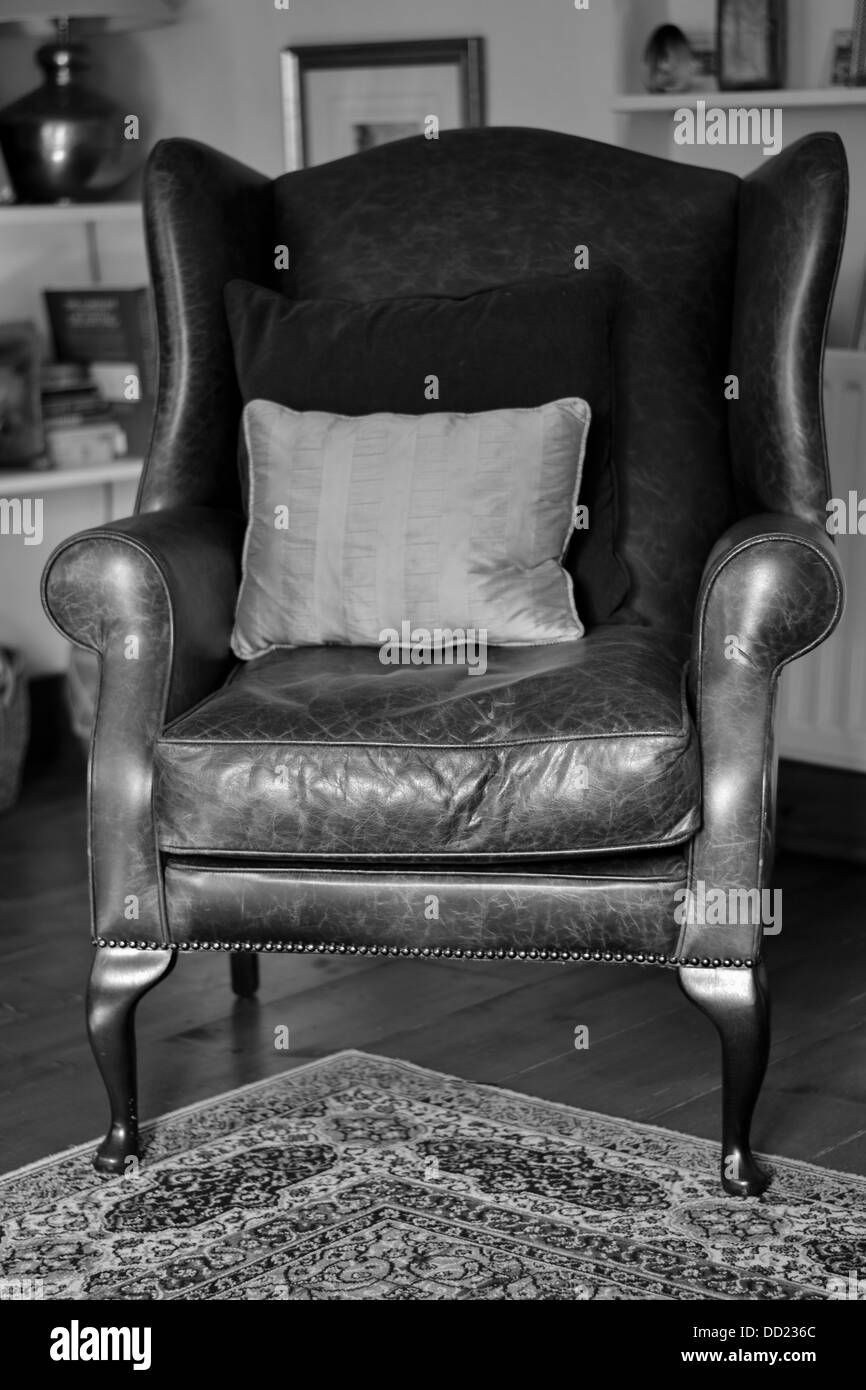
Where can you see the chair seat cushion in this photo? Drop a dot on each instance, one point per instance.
(325, 754)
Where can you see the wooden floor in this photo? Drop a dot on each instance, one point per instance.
(651, 1056)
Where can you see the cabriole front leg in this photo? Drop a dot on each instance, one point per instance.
(119, 977)
(737, 1002)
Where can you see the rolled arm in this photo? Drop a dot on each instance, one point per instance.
(771, 591)
(154, 596)
(773, 581)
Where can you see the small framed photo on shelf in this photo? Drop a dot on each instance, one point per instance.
(22, 439)
(340, 99)
(841, 48)
(751, 44)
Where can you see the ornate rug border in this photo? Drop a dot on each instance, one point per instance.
(399, 1064)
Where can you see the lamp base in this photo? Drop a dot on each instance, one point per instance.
(65, 142)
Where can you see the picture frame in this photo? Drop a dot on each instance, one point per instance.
(841, 55)
(340, 99)
(22, 437)
(751, 44)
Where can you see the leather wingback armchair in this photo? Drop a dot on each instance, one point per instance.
(412, 786)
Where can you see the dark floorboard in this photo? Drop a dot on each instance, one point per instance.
(651, 1056)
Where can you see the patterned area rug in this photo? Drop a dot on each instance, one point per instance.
(360, 1177)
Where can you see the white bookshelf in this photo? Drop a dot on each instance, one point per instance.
(35, 482)
(646, 103)
(94, 224)
(42, 214)
(60, 246)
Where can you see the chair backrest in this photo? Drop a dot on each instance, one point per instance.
(716, 276)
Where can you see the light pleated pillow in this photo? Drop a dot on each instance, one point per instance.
(361, 524)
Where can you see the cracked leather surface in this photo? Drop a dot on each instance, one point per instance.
(525, 911)
(208, 220)
(323, 751)
(719, 275)
(169, 581)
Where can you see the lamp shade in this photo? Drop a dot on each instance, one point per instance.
(87, 17)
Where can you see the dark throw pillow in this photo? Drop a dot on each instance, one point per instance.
(518, 346)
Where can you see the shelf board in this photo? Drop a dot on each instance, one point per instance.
(34, 482)
(672, 101)
(33, 214)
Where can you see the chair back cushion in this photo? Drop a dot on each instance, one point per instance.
(516, 347)
(484, 208)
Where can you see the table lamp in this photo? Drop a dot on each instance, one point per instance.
(66, 142)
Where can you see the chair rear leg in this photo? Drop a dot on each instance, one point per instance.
(737, 1002)
(119, 977)
(245, 973)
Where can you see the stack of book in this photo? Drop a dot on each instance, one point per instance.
(98, 397)
(80, 428)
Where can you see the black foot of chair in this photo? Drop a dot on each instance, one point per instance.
(119, 978)
(245, 973)
(737, 1002)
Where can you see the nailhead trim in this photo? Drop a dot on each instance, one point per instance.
(434, 952)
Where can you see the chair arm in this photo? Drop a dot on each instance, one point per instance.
(154, 596)
(771, 591)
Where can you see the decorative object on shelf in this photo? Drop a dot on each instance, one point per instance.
(80, 428)
(752, 44)
(339, 99)
(21, 435)
(840, 57)
(857, 74)
(14, 726)
(706, 55)
(66, 141)
(669, 62)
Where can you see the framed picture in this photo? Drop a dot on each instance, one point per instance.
(339, 99)
(751, 44)
(21, 435)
